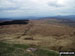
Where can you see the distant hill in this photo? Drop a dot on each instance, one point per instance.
(69, 20)
(69, 17)
(60, 20)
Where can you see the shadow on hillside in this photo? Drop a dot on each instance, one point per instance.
(14, 22)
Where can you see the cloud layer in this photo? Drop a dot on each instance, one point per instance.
(20, 8)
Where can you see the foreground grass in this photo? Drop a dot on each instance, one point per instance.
(20, 50)
(11, 49)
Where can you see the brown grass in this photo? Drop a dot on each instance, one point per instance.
(52, 36)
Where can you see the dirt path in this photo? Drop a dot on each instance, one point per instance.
(30, 25)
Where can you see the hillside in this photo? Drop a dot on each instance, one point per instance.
(50, 34)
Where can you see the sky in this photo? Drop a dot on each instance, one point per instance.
(27, 8)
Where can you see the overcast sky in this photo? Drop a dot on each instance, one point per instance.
(23, 8)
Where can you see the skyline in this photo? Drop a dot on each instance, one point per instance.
(27, 8)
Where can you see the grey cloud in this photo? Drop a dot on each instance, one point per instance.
(10, 8)
(8, 5)
(55, 4)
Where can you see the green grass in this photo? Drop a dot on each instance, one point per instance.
(20, 50)
(41, 52)
(11, 48)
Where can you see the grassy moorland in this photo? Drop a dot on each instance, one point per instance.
(47, 36)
